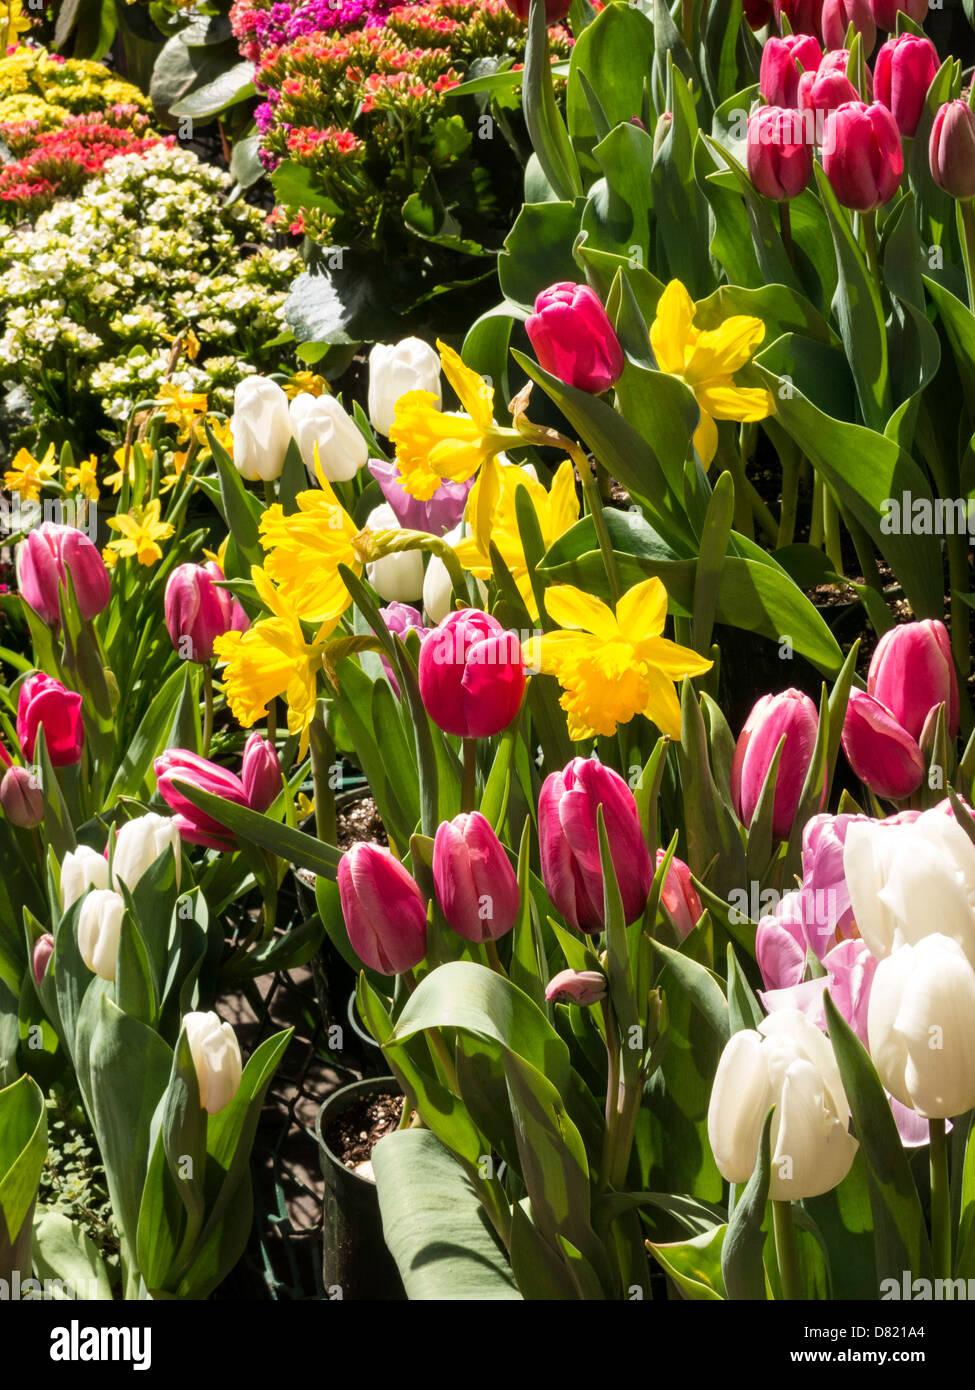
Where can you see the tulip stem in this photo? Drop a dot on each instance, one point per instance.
(612, 1092)
(966, 227)
(468, 781)
(494, 960)
(831, 527)
(785, 227)
(786, 1251)
(322, 751)
(868, 228)
(940, 1200)
(207, 707)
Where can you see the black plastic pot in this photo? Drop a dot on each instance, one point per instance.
(355, 1261)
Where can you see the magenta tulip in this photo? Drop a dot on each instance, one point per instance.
(838, 60)
(582, 987)
(780, 160)
(822, 92)
(679, 896)
(862, 155)
(555, 10)
(569, 843)
(782, 62)
(573, 338)
(838, 15)
(45, 702)
(472, 674)
(880, 751)
(178, 765)
(804, 16)
(21, 798)
(885, 12)
(5, 757)
(476, 885)
(260, 772)
(904, 70)
(198, 611)
(385, 912)
(791, 715)
(43, 951)
(951, 149)
(45, 559)
(911, 672)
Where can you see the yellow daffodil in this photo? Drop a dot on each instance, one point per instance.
(432, 444)
(305, 383)
(182, 406)
(27, 475)
(83, 478)
(273, 657)
(110, 557)
(219, 556)
(613, 666)
(706, 359)
(114, 480)
(13, 22)
(556, 511)
(141, 531)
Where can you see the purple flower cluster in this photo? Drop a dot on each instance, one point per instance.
(259, 27)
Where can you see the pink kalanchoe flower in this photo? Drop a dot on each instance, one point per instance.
(476, 885)
(791, 715)
(905, 68)
(178, 765)
(198, 610)
(911, 672)
(385, 912)
(862, 155)
(472, 674)
(569, 843)
(679, 896)
(879, 749)
(574, 339)
(838, 15)
(780, 159)
(44, 560)
(582, 987)
(782, 62)
(45, 702)
(260, 772)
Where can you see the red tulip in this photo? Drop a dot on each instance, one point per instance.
(862, 155)
(880, 751)
(885, 12)
(195, 826)
(911, 672)
(555, 10)
(45, 702)
(198, 611)
(905, 68)
(781, 62)
(951, 149)
(780, 160)
(569, 843)
(476, 885)
(791, 715)
(260, 772)
(574, 339)
(838, 15)
(472, 674)
(45, 559)
(385, 912)
(804, 16)
(679, 896)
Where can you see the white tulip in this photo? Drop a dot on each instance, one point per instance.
(99, 929)
(140, 842)
(341, 448)
(438, 591)
(399, 577)
(81, 869)
(410, 365)
(787, 1063)
(261, 427)
(921, 1026)
(216, 1058)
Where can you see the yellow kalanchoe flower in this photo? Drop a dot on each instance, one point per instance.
(141, 531)
(707, 360)
(613, 666)
(27, 475)
(432, 444)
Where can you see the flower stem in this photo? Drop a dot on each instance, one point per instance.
(207, 707)
(785, 227)
(322, 752)
(786, 1251)
(940, 1200)
(966, 227)
(868, 226)
(831, 526)
(595, 505)
(612, 1092)
(468, 781)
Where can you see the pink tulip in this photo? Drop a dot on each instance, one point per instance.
(400, 618)
(45, 702)
(782, 60)
(21, 798)
(178, 765)
(5, 757)
(780, 944)
(582, 987)
(882, 754)
(804, 16)
(385, 912)
(791, 715)
(45, 559)
(951, 149)
(850, 968)
(679, 896)
(569, 843)
(862, 155)
(198, 611)
(838, 15)
(260, 772)
(573, 338)
(472, 674)
(905, 68)
(43, 951)
(838, 60)
(476, 885)
(822, 92)
(827, 913)
(885, 12)
(780, 159)
(911, 672)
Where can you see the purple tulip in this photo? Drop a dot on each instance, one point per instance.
(880, 751)
(791, 715)
(260, 772)
(198, 611)
(400, 618)
(177, 765)
(476, 885)
(45, 559)
(574, 339)
(437, 515)
(911, 672)
(385, 912)
(45, 702)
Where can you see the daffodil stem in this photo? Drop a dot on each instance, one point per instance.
(595, 505)
(786, 1251)
(322, 751)
(940, 1200)
(468, 781)
(207, 707)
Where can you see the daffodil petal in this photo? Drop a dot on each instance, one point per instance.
(725, 401)
(570, 607)
(662, 707)
(473, 392)
(706, 439)
(673, 659)
(673, 328)
(722, 350)
(642, 610)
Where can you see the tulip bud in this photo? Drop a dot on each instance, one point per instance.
(790, 1064)
(81, 869)
(43, 951)
(804, 16)
(911, 672)
(679, 896)
(780, 67)
(178, 765)
(822, 92)
(476, 885)
(261, 428)
(409, 365)
(838, 15)
(385, 912)
(260, 772)
(555, 10)
(44, 560)
(569, 843)
(472, 674)
(838, 60)
(791, 715)
(780, 159)
(951, 149)
(862, 155)
(905, 68)
(198, 611)
(21, 798)
(139, 844)
(398, 576)
(580, 987)
(320, 421)
(881, 753)
(661, 130)
(920, 1026)
(574, 339)
(885, 12)
(216, 1059)
(45, 702)
(99, 929)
